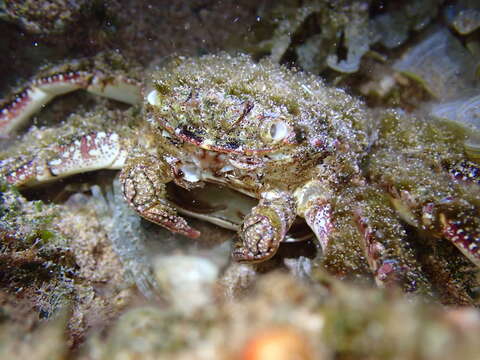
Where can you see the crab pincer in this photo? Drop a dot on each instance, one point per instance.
(143, 180)
(265, 227)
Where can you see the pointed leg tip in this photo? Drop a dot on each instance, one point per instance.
(174, 223)
(193, 233)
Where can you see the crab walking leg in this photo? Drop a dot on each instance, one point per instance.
(35, 95)
(464, 233)
(94, 151)
(384, 241)
(265, 227)
(386, 271)
(313, 203)
(143, 181)
(458, 224)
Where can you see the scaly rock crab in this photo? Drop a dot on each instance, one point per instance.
(360, 179)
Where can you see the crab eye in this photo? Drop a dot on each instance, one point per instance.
(278, 131)
(275, 131)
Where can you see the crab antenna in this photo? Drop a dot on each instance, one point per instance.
(247, 107)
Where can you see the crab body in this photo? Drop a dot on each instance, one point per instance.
(208, 123)
(280, 136)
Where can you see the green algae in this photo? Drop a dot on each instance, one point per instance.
(36, 260)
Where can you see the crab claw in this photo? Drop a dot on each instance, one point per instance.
(143, 180)
(265, 227)
(20, 170)
(259, 239)
(466, 171)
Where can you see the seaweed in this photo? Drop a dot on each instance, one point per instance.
(35, 259)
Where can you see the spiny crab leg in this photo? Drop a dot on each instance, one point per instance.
(143, 180)
(93, 151)
(265, 227)
(14, 112)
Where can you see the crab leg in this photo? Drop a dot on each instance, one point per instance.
(387, 260)
(386, 269)
(16, 111)
(464, 235)
(313, 203)
(384, 241)
(460, 226)
(265, 227)
(143, 180)
(94, 151)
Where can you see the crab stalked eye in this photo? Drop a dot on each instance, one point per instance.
(278, 131)
(275, 130)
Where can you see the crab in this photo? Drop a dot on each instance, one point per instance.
(361, 179)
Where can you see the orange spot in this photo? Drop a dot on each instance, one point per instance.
(277, 344)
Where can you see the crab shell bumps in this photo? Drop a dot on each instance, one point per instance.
(276, 135)
(281, 136)
(271, 133)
